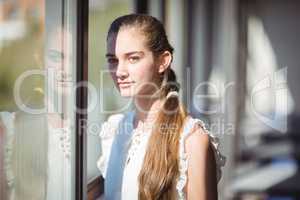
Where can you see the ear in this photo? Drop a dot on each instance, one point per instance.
(165, 60)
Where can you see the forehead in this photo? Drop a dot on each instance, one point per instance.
(126, 40)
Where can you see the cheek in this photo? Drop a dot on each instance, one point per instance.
(113, 76)
(143, 72)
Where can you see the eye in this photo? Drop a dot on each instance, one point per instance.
(134, 59)
(112, 60)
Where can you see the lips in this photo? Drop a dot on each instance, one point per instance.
(125, 84)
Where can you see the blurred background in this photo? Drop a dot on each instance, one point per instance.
(236, 60)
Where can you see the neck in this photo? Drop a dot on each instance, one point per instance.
(146, 110)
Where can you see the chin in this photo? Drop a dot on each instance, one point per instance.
(126, 93)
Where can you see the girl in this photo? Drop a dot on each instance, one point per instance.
(157, 151)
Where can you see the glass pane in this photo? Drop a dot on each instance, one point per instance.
(36, 99)
(103, 97)
(268, 138)
(270, 89)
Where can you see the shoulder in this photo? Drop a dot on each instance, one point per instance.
(115, 117)
(109, 126)
(198, 143)
(202, 177)
(107, 134)
(203, 146)
(197, 134)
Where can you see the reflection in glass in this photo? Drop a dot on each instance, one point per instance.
(36, 74)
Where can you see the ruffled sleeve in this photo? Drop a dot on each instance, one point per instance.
(64, 141)
(107, 133)
(220, 158)
(183, 161)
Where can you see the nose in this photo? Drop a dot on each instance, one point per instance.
(121, 71)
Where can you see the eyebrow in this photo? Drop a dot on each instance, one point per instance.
(126, 54)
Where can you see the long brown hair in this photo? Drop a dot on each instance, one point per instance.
(160, 169)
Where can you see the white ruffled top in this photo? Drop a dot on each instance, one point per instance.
(8, 122)
(135, 155)
(59, 149)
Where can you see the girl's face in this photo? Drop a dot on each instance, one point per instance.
(131, 63)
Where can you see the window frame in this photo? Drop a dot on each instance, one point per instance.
(82, 19)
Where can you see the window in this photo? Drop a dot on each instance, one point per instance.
(37, 115)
